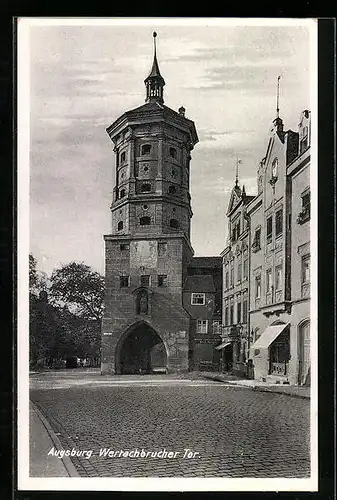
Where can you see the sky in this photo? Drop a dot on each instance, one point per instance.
(82, 78)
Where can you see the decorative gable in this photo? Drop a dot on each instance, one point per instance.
(234, 199)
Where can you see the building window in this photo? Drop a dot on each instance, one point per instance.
(304, 214)
(124, 246)
(145, 221)
(305, 273)
(145, 280)
(202, 325)
(122, 193)
(174, 223)
(269, 229)
(231, 315)
(231, 281)
(162, 280)
(256, 245)
(304, 140)
(123, 157)
(245, 269)
(226, 316)
(172, 190)
(145, 188)
(269, 281)
(258, 287)
(238, 312)
(236, 231)
(244, 311)
(142, 302)
(239, 276)
(216, 327)
(146, 149)
(278, 223)
(278, 278)
(226, 280)
(173, 152)
(124, 281)
(120, 225)
(162, 248)
(274, 169)
(198, 299)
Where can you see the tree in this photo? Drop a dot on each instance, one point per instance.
(38, 280)
(78, 287)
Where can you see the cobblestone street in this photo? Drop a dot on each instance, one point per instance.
(237, 432)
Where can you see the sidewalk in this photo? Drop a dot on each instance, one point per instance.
(257, 385)
(42, 439)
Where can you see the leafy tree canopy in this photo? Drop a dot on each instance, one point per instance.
(78, 287)
(38, 280)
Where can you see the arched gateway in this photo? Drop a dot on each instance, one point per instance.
(140, 351)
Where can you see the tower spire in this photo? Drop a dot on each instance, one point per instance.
(154, 83)
(238, 162)
(278, 97)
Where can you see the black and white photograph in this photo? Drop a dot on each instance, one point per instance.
(167, 260)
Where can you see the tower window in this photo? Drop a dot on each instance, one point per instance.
(122, 193)
(123, 157)
(145, 221)
(162, 248)
(145, 188)
(198, 299)
(120, 225)
(124, 281)
(124, 246)
(146, 149)
(145, 280)
(174, 223)
(145, 207)
(172, 190)
(162, 280)
(173, 152)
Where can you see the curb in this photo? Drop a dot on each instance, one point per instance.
(68, 464)
(257, 388)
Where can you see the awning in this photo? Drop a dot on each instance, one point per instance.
(221, 346)
(268, 336)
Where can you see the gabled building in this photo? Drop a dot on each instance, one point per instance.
(280, 258)
(235, 298)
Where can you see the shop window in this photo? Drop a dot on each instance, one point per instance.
(145, 149)
(202, 325)
(120, 225)
(198, 299)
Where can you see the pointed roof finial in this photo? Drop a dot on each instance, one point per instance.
(154, 82)
(238, 162)
(278, 97)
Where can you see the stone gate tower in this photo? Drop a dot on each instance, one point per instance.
(145, 326)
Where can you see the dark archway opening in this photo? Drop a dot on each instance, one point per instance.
(142, 352)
